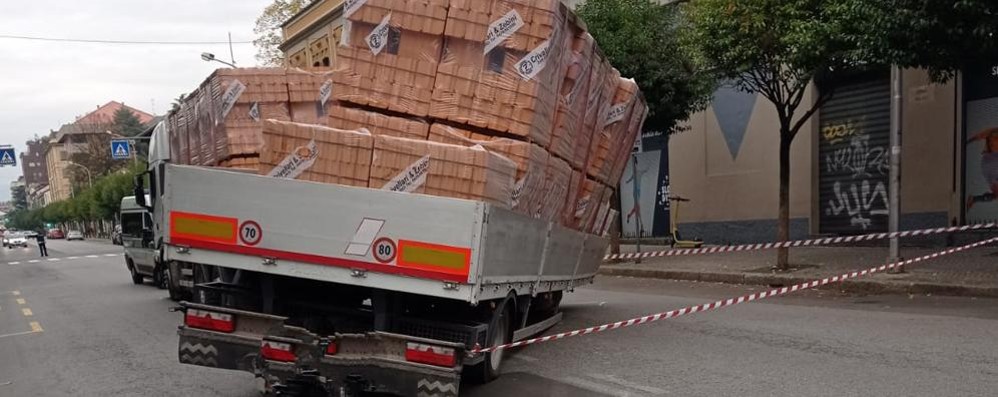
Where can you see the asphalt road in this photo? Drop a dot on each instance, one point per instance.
(89, 332)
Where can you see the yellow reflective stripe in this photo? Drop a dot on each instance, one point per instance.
(433, 257)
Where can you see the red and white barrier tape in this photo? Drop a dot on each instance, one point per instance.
(801, 243)
(733, 301)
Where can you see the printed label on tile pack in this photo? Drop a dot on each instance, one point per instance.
(518, 190)
(501, 29)
(254, 112)
(411, 178)
(377, 40)
(231, 95)
(298, 162)
(535, 61)
(616, 113)
(351, 6)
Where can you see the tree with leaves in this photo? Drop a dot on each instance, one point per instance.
(126, 123)
(19, 196)
(777, 49)
(175, 106)
(640, 37)
(268, 29)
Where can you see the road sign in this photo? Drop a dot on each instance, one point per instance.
(120, 149)
(8, 157)
(250, 233)
(384, 250)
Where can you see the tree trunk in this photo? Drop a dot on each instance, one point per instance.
(783, 230)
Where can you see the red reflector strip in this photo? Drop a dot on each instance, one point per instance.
(277, 351)
(211, 321)
(428, 354)
(332, 349)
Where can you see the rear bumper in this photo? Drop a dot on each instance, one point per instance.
(369, 362)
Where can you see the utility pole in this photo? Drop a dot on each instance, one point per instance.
(894, 207)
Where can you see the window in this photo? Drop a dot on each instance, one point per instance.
(131, 224)
(63, 156)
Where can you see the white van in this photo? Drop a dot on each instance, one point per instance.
(141, 251)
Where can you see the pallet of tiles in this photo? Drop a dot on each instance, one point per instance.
(602, 84)
(316, 153)
(531, 162)
(439, 169)
(573, 97)
(389, 54)
(558, 182)
(502, 66)
(309, 95)
(586, 204)
(613, 132)
(634, 128)
(248, 164)
(346, 118)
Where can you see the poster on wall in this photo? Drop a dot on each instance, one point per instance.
(981, 144)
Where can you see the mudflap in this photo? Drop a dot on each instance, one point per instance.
(215, 350)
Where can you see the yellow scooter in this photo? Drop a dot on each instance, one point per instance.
(677, 241)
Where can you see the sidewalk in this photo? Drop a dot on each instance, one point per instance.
(969, 273)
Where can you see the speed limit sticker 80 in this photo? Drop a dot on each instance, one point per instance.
(384, 250)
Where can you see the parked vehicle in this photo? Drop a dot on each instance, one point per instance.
(74, 235)
(15, 239)
(141, 251)
(30, 234)
(55, 234)
(341, 288)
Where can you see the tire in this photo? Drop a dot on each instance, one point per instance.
(160, 278)
(500, 332)
(137, 278)
(176, 294)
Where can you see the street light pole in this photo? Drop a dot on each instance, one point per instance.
(209, 57)
(894, 208)
(90, 178)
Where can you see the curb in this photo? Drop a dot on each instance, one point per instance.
(852, 286)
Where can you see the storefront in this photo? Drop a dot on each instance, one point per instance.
(980, 133)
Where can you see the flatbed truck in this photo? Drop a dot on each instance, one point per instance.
(322, 289)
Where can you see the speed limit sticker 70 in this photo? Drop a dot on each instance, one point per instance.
(384, 250)
(250, 233)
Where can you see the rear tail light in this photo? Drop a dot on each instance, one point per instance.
(211, 321)
(277, 351)
(332, 349)
(429, 354)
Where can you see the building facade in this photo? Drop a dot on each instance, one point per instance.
(312, 35)
(33, 163)
(727, 162)
(74, 138)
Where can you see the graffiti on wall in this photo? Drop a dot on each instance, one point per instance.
(860, 170)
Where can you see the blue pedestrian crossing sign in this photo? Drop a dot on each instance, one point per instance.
(120, 149)
(7, 156)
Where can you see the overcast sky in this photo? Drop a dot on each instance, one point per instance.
(46, 84)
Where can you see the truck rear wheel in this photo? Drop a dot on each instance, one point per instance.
(499, 334)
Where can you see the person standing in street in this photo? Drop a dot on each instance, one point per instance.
(40, 238)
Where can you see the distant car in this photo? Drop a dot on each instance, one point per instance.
(55, 234)
(12, 240)
(116, 236)
(31, 234)
(74, 235)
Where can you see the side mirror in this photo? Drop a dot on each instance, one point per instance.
(139, 190)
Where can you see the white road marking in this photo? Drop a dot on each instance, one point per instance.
(111, 254)
(596, 387)
(14, 263)
(73, 257)
(54, 259)
(19, 333)
(93, 256)
(630, 385)
(34, 261)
